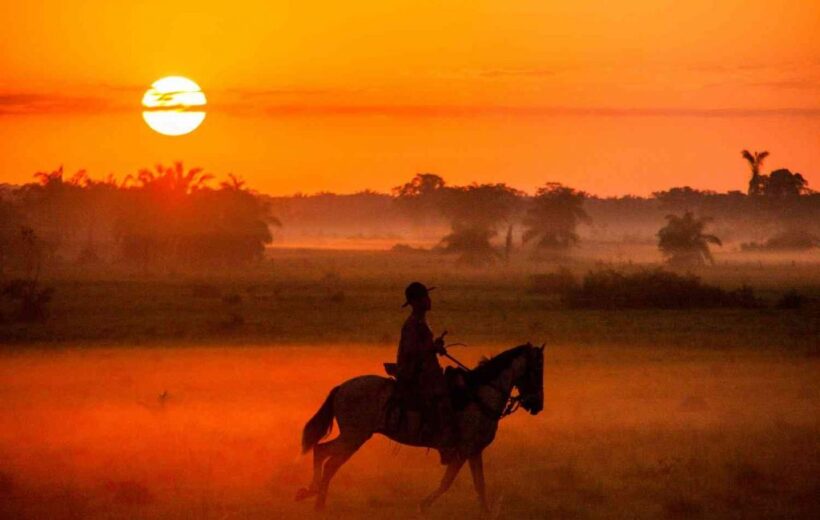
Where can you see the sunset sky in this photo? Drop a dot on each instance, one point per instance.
(610, 97)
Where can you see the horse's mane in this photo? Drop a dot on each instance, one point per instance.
(489, 369)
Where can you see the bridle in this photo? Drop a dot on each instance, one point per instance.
(510, 406)
(513, 402)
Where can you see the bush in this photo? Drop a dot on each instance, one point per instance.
(610, 289)
(791, 300)
(794, 240)
(561, 282)
(31, 298)
(406, 248)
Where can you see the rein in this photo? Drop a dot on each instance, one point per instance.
(510, 407)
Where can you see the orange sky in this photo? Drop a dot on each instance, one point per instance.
(611, 97)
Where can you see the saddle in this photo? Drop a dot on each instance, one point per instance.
(414, 420)
(457, 381)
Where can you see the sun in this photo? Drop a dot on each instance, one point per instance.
(174, 105)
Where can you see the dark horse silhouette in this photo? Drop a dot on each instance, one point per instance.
(361, 407)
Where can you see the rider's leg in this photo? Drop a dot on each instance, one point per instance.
(446, 481)
(444, 410)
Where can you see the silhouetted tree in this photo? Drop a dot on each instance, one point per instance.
(508, 244)
(683, 242)
(755, 161)
(421, 198)
(472, 244)
(175, 219)
(26, 290)
(10, 224)
(474, 213)
(234, 182)
(553, 216)
(682, 198)
(420, 185)
(783, 183)
(174, 179)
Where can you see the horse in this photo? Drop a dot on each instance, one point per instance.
(360, 407)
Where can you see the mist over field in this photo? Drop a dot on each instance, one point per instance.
(169, 432)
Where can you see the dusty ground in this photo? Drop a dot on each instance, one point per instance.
(627, 432)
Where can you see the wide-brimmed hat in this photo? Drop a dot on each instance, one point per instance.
(414, 291)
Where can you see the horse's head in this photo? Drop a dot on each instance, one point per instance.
(530, 381)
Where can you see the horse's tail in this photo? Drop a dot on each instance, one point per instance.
(320, 425)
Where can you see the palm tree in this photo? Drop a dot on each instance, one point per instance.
(683, 242)
(174, 178)
(234, 183)
(553, 217)
(755, 161)
(50, 178)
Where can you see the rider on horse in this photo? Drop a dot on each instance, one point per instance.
(419, 373)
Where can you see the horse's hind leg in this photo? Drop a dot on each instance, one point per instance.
(339, 451)
(320, 453)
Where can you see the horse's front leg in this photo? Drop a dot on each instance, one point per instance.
(446, 481)
(477, 469)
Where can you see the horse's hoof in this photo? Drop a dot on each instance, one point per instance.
(495, 511)
(304, 493)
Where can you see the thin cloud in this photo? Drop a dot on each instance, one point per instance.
(526, 111)
(21, 103)
(517, 73)
(35, 103)
(807, 84)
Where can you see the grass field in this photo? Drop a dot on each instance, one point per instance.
(643, 433)
(302, 297)
(183, 396)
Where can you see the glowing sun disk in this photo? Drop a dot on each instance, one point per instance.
(174, 106)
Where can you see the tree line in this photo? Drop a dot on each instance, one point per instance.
(168, 216)
(179, 218)
(549, 220)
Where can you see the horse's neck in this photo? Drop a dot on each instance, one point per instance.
(497, 390)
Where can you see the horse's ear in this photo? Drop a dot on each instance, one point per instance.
(542, 346)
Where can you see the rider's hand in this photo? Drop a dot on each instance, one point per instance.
(439, 343)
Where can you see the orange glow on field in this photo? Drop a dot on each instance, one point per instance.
(83, 434)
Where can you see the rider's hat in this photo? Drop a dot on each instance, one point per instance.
(414, 291)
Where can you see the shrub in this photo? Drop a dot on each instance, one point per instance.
(791, 300)
(793, 240)
(31, 297)
(561, 282)
(610, 289)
